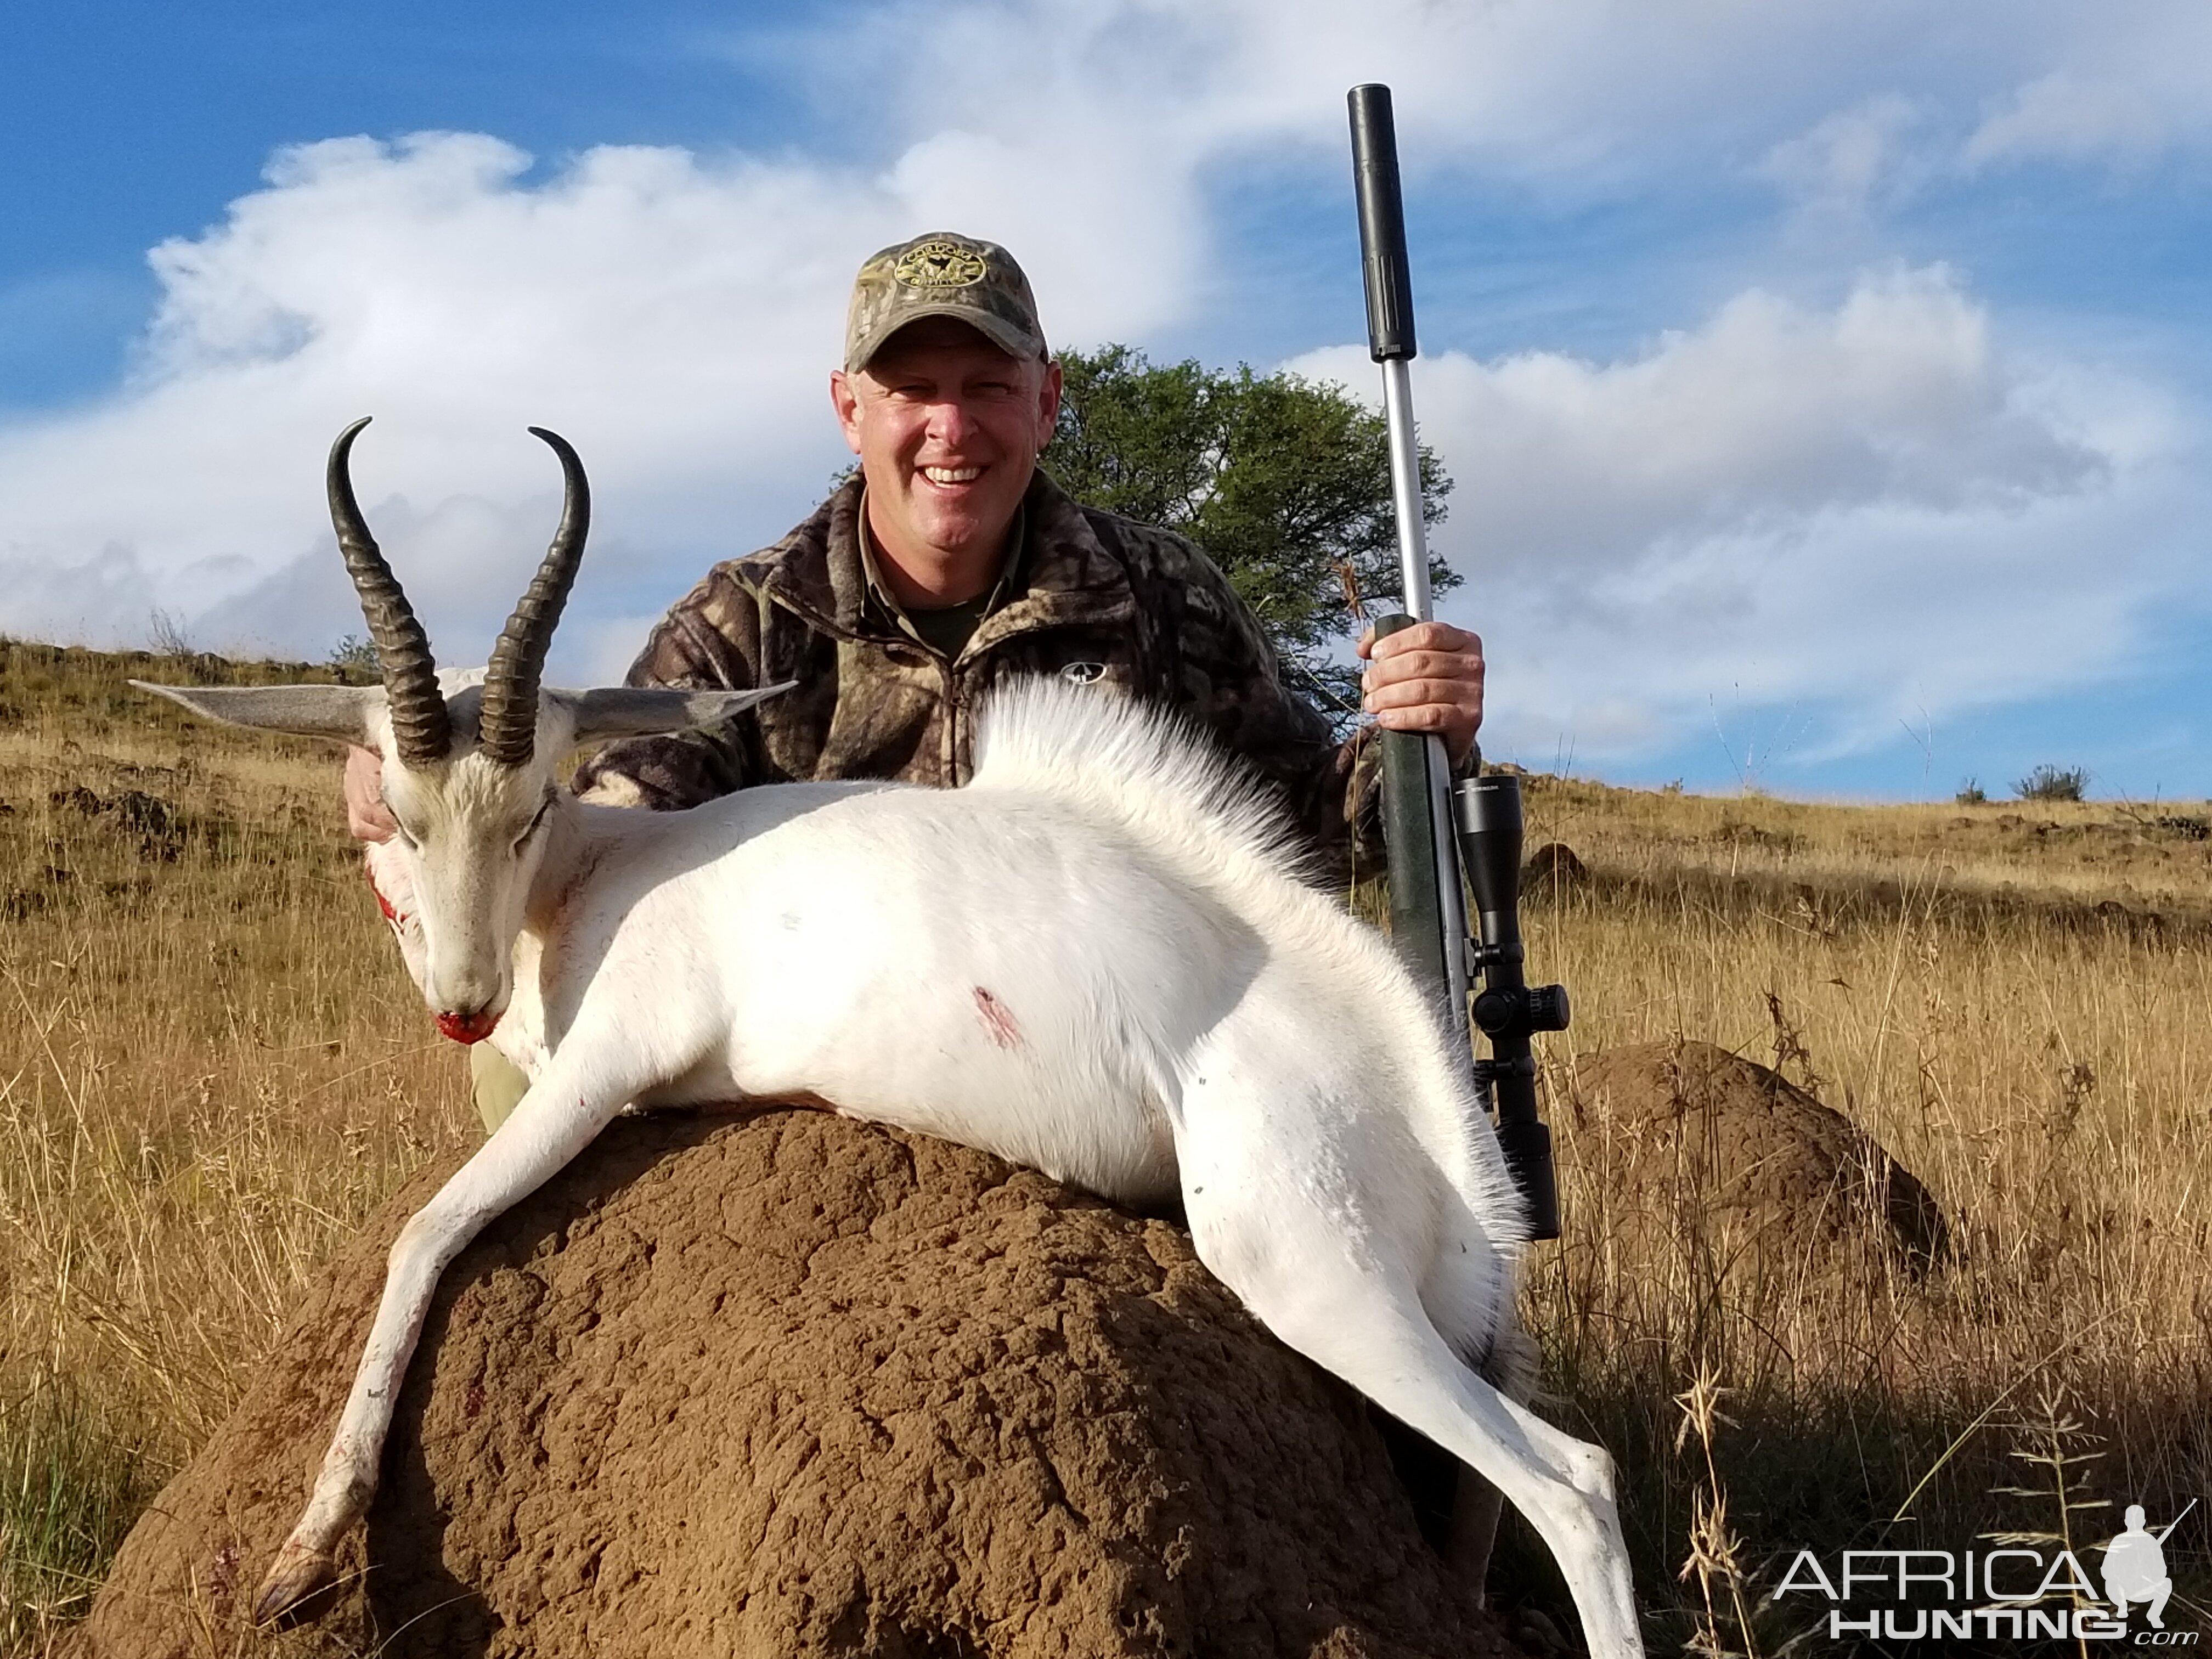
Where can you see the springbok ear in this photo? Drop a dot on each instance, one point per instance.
(309, 711)
(624, 711)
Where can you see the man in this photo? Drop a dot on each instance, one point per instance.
(2135, 1568)
(952, 562)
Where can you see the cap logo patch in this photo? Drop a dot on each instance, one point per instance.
(938, 265)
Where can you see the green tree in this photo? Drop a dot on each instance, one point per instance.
(355, 661)
(1285, 482)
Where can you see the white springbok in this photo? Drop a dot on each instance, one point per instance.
(1096, 959)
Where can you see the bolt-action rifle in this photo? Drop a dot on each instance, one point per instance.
(1432, 826)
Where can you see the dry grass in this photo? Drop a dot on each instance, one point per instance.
(2012, 1000)
(211, 1066)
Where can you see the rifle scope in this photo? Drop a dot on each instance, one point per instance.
(1508, 1010)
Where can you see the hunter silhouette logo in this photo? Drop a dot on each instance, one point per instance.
(2135, 1566)
(940, 265)
(2009, 1594)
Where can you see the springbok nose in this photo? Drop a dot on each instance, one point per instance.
(473, 1025)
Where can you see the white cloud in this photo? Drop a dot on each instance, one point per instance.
(1826, 504)
(628, 302)
(1581, 95)
(2117, 84)
(1851, 164)
(1870, 510)
(675, 317)
(2067, 116)
(1542, 88)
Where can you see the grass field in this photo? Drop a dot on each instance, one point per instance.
(211, 1066)
(2012, 1000)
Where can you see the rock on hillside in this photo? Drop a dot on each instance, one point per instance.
(789, 1385)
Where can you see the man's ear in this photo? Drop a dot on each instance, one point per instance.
(1049, 402)
(623, 711)
(309, 711)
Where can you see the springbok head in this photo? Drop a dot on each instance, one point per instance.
(468, 763)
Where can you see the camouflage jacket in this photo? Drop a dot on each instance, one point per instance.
(1092, 597)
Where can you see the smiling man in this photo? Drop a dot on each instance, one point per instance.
(951, 562)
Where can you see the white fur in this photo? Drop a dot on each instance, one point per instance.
(1094, 960)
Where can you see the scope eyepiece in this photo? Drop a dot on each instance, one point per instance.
(1519, 1011)
(1549, 1009)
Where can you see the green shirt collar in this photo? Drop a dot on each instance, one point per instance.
(882, 600)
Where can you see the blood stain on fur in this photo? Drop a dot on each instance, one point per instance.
(998, 1022)
(382, 903)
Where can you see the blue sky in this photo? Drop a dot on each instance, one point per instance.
(1825, 385)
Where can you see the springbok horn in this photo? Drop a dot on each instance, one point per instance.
(419, 722)
(508, 722)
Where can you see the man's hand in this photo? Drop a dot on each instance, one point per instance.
(1427, 678)
(368, 818)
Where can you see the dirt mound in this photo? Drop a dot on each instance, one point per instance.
(1685, 1138)
(788, 1385)
(1552, 869)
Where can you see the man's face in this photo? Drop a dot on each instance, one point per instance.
(947, 428)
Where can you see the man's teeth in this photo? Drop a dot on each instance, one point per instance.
(949, 475)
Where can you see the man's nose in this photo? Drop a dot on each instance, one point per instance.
(950, 422)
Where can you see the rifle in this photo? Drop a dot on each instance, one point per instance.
(1432, 827)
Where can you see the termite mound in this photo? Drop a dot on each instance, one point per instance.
(1675, 1149)
(786, 1384)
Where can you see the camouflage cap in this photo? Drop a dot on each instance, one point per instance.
(941, 274)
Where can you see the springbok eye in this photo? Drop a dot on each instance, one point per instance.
(536, 824)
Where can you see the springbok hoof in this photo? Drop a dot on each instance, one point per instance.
(299, 1587)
